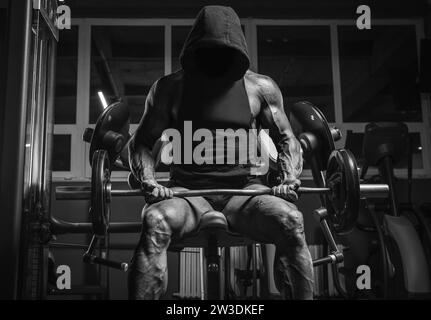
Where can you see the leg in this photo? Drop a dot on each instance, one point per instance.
(161, 222)
(271, 219)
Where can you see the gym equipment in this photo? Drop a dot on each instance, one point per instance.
(313, 132)
(110, 133)
(339, 195)
(343, 191)
(340, 189)
(402, 251)
(404, 248)
(29, 42)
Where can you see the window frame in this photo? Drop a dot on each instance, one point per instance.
(80, 166)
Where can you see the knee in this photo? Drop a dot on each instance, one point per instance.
(156, 228)
(155, 219)
(292, 223)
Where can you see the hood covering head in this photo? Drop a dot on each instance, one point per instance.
(216, 46)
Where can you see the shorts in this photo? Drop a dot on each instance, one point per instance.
(217, 202)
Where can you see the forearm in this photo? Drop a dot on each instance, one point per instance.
(273, 117)
(290, 159)
(141, 162)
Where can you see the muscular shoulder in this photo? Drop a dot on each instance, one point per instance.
(158, 106)
(165, 90)
(264, 87)
(165, 87)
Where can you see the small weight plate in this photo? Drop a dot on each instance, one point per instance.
(100, 192)
(342, 202)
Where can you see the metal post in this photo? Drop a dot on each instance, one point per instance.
(37, 158)
(386, 169)
(320, 182)
(201, 274)
(227, 277)
(12, 146)
(213, 268)
(254, 259)
(47, 169)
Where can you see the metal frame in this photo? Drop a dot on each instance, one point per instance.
(13, 140)
(25, 169)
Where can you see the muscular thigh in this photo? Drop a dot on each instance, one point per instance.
(182, 215)
(263, 218)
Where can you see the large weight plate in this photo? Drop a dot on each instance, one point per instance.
(342, 178)
(100, 188)
(114, 118)
(305, 117)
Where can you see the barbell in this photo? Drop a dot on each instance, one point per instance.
(342, 191)
(84, 193)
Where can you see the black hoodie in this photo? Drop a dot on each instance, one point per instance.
(216, 27)
(216, 100)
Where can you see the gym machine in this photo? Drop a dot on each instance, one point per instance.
(339, 189)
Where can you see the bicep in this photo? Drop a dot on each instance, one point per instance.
(272, 115)
(153, 122)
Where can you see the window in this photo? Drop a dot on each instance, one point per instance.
(125, 62)
(354, 76)
(379, 72)
(379, 82)
(65, 102)
(66, 77)
(298, 58)
(62, 152)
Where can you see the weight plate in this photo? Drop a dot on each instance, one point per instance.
(306, 117)
(342, 202)
(100, 192)
(114, 118)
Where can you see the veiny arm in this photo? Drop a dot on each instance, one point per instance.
(273, 117)
(154, 121)
(140, 158)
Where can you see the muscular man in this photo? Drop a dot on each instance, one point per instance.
(215, 90)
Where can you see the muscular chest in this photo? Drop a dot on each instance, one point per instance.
(210, 105)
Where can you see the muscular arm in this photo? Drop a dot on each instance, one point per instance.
(141, 163)
(150, 128)
(273, 117)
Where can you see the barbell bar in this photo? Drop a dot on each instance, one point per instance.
(341, 193)
(84, 193)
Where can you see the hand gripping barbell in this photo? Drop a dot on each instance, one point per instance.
(342, 192)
